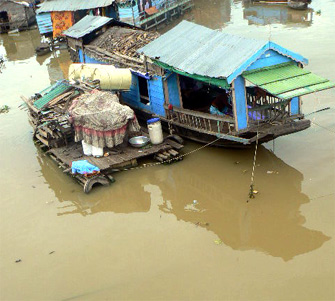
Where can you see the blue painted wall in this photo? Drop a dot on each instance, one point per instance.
(172, 83)
(295, 106)
(88, 59)
(110, 12)
(269, 58)
(156, 95)
(240, 103)
(132, 97)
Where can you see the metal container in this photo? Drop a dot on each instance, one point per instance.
(139, 141)
(110, 78)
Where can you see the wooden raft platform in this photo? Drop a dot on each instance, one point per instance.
(119, 158)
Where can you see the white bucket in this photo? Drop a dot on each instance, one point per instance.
(155, 131)
(87, 148)
(97, 151)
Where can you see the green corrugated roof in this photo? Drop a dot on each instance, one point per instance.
(56, 91)
(307, 90)
(287, 80)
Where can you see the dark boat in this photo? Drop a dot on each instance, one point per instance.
(301, 4)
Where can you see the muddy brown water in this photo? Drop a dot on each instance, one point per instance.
(183, 231)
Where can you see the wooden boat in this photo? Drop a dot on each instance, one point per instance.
(300, 5)
(260, 81)
(42, 49)
(295, 4)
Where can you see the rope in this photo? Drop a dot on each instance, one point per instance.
(325, 128)
(251, 191)
(177, 158)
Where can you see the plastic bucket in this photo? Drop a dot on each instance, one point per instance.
(155, 131)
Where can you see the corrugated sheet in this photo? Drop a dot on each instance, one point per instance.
(293, 83)
(72, 5)
(57, 90)
(199, 50)
(44, 23)
(273, 73)
(287, 81)
(307, 90)
(85, 26)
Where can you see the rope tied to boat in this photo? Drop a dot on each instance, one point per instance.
(251, 190)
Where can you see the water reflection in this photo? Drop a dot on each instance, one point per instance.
(20, 46)
(259, 14)
(210, 197)
(212, 13)
(58, 65)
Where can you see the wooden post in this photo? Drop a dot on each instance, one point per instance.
(234, 105)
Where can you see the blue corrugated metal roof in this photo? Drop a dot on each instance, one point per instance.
(86, 25)
(196, 49)
(72, 5)
(44, 23)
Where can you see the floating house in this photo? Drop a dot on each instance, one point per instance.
(211, 86)
(150, 13)
(16, 15)
(55, 16)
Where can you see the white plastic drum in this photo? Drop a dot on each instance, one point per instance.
(110, 78)
(155, 130)
(87, 148)
(97, 151)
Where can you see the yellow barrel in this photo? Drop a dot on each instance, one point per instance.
(111, 78)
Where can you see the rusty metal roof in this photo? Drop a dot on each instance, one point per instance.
(86, 25)
(72, 5)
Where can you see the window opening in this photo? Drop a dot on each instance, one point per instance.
(144, 93)
(202, 97)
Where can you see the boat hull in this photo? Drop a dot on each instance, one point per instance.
(266, 131)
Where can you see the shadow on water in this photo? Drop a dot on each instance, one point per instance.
(271, 223)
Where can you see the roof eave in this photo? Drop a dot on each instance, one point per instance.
(268, 46)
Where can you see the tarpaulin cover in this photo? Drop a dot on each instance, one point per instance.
(100, 120)
(83, 167)
(61, 21)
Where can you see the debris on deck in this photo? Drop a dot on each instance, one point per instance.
(79, 125)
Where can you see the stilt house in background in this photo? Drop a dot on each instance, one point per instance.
(16, 15)
(150, 13)
(55, 16)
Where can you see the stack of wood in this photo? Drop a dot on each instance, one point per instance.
(118, 46)
(50, 123)
(128, 43)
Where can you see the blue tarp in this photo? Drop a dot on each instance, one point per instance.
(83, 167)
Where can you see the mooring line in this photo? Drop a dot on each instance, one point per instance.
(325, 128)
(251, 191)
(177, 158)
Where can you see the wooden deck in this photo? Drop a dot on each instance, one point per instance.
(119, 158)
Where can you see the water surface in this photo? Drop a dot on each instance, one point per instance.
(184, 231)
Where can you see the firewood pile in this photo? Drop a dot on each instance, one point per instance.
(118, 46)
(127, 43)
